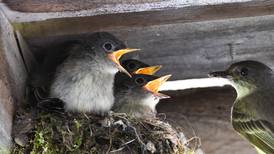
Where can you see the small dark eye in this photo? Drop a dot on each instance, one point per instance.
(131, 66)
(108, 46)
(244, 72)
(140, 81)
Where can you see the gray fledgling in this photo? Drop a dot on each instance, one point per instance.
(253, 109)
(138, 96)
(84, 80)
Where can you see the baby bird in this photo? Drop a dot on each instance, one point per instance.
(138, 96)
(84, 80)
(253, 109)
(134, 66)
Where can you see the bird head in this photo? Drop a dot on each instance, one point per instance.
(114, 56)
(154, 85)
(137, 67)
(141, 89)
(109, 49)
(142, 85)
(245, 75)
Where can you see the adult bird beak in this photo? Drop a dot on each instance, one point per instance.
(222, 74)
(154, 85)
(148, 70)
(116, 55)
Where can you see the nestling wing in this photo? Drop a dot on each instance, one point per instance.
(259, 132)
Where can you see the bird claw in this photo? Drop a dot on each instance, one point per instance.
(54, 105)
(51, 105)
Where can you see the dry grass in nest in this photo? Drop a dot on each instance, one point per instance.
(115, 133)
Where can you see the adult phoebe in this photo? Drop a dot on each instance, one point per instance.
(84, 80)
(138, 96)
(253, 109)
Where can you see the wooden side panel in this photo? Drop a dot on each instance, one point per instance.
(12, 80)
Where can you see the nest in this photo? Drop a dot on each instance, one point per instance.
(82, 133)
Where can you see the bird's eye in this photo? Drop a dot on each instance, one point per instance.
(140, 81)
(244, 72)
(108, 47)
(131, 66)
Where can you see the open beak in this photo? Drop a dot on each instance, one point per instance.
(148, 70)
(154, 85)
(116, 55)
(221, 74)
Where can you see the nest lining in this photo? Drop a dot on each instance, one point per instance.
(51, 133)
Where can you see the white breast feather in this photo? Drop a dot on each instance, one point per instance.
(92, 93)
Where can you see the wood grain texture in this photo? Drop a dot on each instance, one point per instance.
(156, 11)
(106, 18)
(186, 50)
(71, 5)
(207, 112)
(12, 80)
(193, 50)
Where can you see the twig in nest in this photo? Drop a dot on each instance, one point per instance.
(128, 142)
(68, 129)
(159, 125)
(141, 123)
(123, 146)
(129, 125)
(194, 138)
(137, 135)
(117, 150)
(117, 114)
(110, 139)
(86, 115)
(196, 145)
(90, 130)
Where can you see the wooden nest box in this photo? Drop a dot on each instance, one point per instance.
(189, 38)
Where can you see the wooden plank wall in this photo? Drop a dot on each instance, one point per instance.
(187, 50)
(12, 81)
(189, 39)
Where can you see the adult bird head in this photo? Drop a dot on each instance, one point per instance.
(134, 66)
(246, 75)
(108, 50)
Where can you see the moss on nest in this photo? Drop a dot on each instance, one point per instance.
(116, 133)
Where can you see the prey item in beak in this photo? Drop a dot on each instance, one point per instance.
(221, 74)
(116, 55)
(148, 70)
(154, 85)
